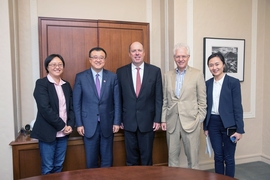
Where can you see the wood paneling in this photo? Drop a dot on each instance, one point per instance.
(115, 37)
(27, 162)
(73, 38)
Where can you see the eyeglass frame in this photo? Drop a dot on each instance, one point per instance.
(98, 58)
(56, 65)
(183, 57)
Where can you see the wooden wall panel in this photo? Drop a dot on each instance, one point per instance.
(70, 38)
(115, 38)
(73, 38)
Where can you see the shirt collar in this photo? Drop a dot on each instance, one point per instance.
(178, 72)
(95, 73)
(220, 81)
(134, 67)
(52, 80)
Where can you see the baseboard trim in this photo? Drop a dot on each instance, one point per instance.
(239, 160)
(266, 159)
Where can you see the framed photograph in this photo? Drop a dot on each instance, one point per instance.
(233, 51)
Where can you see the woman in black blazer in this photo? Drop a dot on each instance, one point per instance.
(55, 117)
(224, 120)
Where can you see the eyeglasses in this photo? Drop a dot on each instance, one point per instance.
(96, 58)
(179, 57)
(55, 65)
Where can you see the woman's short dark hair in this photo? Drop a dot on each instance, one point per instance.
(217, 54)
(97, 49)
(50, 58)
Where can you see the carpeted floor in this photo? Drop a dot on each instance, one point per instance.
(252, 171)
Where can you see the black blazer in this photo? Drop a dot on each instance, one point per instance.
(141, 112)
(48, 122)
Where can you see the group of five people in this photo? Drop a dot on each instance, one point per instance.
(135, 100)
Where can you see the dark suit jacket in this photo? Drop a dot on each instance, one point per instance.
(230, 103)
(48, 122)
(87, 104)
(141, 112)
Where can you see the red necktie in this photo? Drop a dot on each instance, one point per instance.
(138, 82)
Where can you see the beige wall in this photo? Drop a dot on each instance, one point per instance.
(6, 97)
(265, 64)
(171, 21)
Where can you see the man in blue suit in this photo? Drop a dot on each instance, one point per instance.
(97, 109)
(141, 92)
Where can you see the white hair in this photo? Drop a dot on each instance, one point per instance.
(180, 46)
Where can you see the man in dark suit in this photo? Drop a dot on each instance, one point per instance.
(97, 109)
(141, 92)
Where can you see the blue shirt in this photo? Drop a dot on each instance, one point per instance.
(179, 81)
(99, 77)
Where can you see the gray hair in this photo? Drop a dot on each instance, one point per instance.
(180, 46)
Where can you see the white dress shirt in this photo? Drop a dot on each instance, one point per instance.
(217, 85)
(134, 73)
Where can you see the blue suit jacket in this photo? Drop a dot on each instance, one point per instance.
(48, 122)
(141, 112)
(87, 104)
(230, 103)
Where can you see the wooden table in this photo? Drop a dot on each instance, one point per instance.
(134, 173)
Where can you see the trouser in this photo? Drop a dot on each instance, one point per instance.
(224, 148)
(191, 142)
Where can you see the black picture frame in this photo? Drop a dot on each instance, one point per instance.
(233, 51)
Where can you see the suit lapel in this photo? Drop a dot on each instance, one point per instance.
(223, 92)
(104, 82)
(53, 92)
(145, 77)
(210, 93)
(92, 82)
(186, 80)
(173, 82)
(66, 94)
(129, 79)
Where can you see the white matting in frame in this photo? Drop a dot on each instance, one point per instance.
(233, 51)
